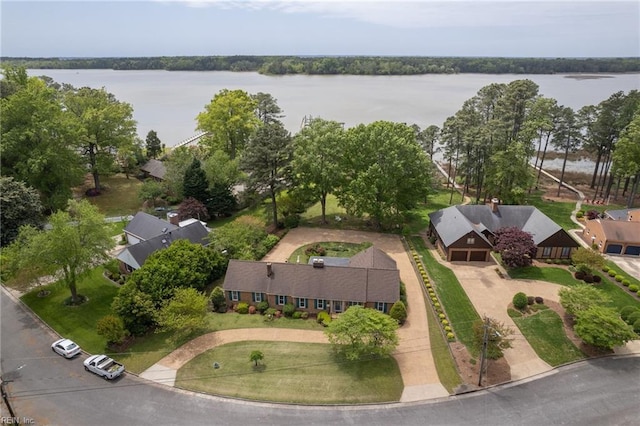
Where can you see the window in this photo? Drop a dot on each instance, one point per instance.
(546, 252)
(566, 252)
(381, 306)
(302, 303)
(353, 303)
(234, 296)
(320, 304)
(281, 300)
(257, 297)
(471, 240)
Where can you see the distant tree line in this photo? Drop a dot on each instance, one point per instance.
(328, 65)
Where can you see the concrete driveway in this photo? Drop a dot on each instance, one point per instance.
(491, 295)
(631, 265)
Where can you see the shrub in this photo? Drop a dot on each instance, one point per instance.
(520, 301)
(619, 278)
(403, 293)
(218, 301)
(444, 322)
(262, 306)
(625, 283)
(557, 261)
(636, 326)
(315, 250)
(442, 316)
(632, 318)
(304, 315)
(292, 221)
(530, 300)
(597, 279)
(323, 318)
(579, 275)
(605, 268)
(633, 288)
(398, 312)
(588, 279)
(112, 328)
(447, 328)
(539, 300)
(252, 310)
(638, 293)
(242, 308)
(580, 214)
(288, 310)
(270, 311)
(593, 214)
(612, 273)
(297, 315)
(626, 311)
(450, 336)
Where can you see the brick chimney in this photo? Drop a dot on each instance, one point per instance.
(269, 269)
(494, 205)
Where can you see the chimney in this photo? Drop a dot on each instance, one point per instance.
(173, 218)
(269, 269)
(318, 263)
(494, 205)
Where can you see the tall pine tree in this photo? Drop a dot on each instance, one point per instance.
(195, 183)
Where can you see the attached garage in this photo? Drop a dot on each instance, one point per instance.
(614, 249)
(632, 250)
(458, 255)
(478, 256)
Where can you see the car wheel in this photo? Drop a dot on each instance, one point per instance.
(105, 377)
(86, 368)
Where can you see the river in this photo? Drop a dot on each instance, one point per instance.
(169, 101)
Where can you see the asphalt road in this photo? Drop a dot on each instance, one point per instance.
(54, 391)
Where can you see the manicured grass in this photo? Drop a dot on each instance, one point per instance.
(559, 212)
(77, 323)
(120, 196)
(313, 216)
(333, 248)
(545, 333)
(418, 219)
(456, 303)
(445, 364)
(293, 373)
(619, 297)
(620, 271)
(550, 274)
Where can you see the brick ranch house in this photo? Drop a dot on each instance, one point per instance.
(466, 233)
(370, 278)
(618, 233)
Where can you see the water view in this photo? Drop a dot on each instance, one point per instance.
(168, 102)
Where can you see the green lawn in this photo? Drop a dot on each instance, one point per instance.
(333, 248)
(120, 196)
(418, 219)
(545, 333)
(456, 303)
(77, 323)
(620, 271)
(313, 216)
(445, 364)
(293, 373)
(559, 212)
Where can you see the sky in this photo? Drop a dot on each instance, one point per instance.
(506, 28)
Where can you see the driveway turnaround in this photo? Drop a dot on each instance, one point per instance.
(413, 354)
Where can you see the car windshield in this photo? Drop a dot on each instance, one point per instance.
(70, 346)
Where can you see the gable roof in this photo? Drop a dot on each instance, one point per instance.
(135, 255)
(621, 230)
(145, 226)
(155, 168)
(452, 223)
(372, 257)
(347, 283)
(622, 214)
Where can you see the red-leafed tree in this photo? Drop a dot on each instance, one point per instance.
(192, 208)
(515, 246)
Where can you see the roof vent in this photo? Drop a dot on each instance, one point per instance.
(318, 263)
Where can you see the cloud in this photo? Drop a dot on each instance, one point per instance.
(444, 13)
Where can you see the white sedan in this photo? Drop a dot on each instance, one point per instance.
(66, 348)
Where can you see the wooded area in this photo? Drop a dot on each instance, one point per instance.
(354, 65)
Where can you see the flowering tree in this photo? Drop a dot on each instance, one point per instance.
(515, 246)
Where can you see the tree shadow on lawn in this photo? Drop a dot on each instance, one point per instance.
(367, 367)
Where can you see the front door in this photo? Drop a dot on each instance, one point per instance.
(337, 306)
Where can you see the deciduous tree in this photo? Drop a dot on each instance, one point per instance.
(19, 205)
(230, 120)
(587, 258)
(497, 336)
(77, 241)
(361, 333)
(255, 357)
(241, 239)
(184, 312)
(316, 165)
(603, 327)
(581, 297)
(516, 247)
(192, 208)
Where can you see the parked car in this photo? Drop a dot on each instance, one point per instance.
(103, 366)
(66, 348)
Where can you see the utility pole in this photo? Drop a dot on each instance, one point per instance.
(485, 342)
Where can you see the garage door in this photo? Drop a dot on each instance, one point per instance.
(478, 256)
(458, 255)
(632, 250)
(614, 249)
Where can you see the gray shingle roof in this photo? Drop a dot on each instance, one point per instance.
(622, 214)
(136, 254)
(454, 222)
(155, 168)
(145, 226)
(357, 284)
